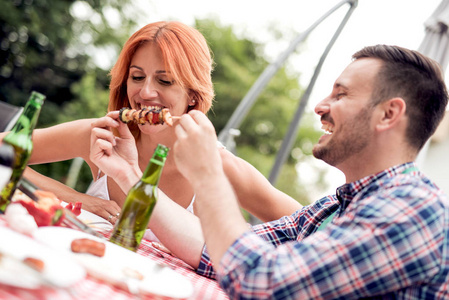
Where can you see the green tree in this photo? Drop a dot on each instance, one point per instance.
(239, 62)
(53, 47)
(44, 47)
(50, 46)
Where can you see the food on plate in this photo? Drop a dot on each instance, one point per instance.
(47, 210)
(85, 245)
(32, 262)
(19, 219)
(153, 115)
(75, 208)
(132, 273)
(35, 263)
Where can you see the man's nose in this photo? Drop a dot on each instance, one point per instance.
(322, 107)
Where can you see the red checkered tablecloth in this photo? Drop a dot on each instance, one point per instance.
(93, 288)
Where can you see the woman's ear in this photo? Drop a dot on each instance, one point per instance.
(392, 112)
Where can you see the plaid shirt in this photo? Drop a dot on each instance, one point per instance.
(388, 240)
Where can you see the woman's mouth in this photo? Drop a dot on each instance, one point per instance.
(150, 107)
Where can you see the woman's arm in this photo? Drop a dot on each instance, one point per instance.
(254, 192)
(98, 206)
(62, 142)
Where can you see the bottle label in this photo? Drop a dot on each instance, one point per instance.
(5, 175)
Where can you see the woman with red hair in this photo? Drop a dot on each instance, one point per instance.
(162, 65)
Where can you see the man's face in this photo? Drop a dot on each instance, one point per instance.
(346, 115)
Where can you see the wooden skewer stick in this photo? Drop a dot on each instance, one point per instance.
(176, 117)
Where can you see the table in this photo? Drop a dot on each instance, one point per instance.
(92, 288)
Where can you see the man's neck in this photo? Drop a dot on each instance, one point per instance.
(362, 167)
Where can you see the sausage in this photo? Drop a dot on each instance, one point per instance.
(34, 263)
(85, 245)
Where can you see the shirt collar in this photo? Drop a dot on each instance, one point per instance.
(348, 191)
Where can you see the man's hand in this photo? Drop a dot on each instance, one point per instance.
(197, 158)
(195, 151)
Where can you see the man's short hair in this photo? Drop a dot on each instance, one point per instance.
(415, 78)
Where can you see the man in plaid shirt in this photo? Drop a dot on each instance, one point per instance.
(387, 235)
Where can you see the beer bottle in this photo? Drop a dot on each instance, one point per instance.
(20, 139)
(139, 204)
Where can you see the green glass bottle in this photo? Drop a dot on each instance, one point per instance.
(20, 139)
(139, 204)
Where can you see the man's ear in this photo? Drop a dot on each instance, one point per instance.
(392, 112)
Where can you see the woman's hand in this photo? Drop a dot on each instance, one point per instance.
(107, 209)
(116, 156)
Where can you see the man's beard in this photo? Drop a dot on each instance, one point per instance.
(351, 138)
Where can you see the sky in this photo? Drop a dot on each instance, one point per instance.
(395, 22)
(398, 22)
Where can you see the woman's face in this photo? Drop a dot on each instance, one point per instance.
(149, 84)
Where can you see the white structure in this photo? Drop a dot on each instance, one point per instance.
(435, 163)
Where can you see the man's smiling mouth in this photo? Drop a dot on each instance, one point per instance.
(328, 128)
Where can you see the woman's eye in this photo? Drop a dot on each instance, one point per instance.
(166, 82)
(137, 78)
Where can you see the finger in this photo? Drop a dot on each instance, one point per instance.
(98, 150)
(113, 114)
(102, 134)
(124, 131)
(187, 122)
(180, 132)
(113, 217)
(105, 122)
(199, 117)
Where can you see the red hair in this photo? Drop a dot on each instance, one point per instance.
(187, 57)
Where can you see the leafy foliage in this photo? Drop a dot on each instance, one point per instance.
(44, 47)
(54, 47)
(238, 65)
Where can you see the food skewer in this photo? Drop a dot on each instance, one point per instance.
(154, 116)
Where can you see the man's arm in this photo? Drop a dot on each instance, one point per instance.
(216, 202)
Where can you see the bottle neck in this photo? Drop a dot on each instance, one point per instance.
(153, 171)
(28, 119)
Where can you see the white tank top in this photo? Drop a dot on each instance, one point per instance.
(99, 189)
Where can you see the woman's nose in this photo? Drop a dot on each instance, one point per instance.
(148, 90)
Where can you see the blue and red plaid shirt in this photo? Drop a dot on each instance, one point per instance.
(388, 240)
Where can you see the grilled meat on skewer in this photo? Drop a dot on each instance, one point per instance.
(154, 116)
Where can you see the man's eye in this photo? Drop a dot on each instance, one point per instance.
(339, 96)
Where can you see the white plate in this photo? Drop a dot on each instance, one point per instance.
(157, 279)
(60, 269)
(92, 220)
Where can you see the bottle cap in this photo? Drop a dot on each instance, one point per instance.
(37, 97)
(161, 150)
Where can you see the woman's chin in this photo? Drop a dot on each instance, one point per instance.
(153, 129)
